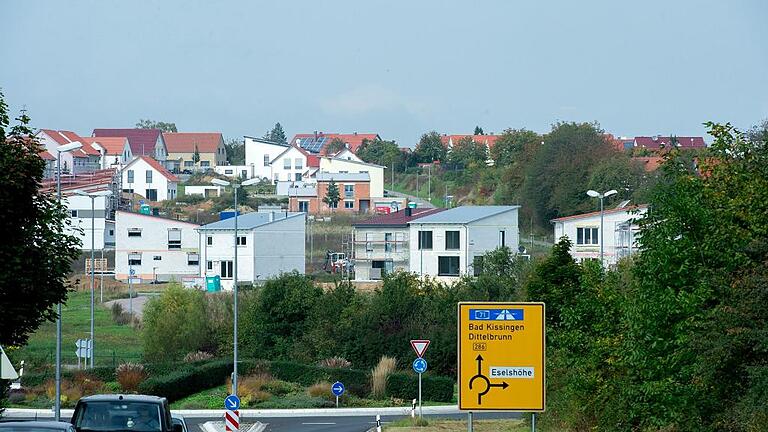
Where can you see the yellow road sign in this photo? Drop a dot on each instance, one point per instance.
(501, 356)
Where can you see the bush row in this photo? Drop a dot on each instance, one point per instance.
(405, 385)
(182, 383)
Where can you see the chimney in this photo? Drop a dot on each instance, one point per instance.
(408, 211)
(315, 135)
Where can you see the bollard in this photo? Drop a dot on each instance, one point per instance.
(470, 428)
(378, 423)
(413, 409)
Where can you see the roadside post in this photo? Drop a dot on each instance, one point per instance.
(337, 389)
(378, 423)
(232, 413)
(413, 409)
(501, 358)
(420, 365)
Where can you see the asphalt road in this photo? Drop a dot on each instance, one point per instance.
(333, 424)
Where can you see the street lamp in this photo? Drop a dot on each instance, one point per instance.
(93, 196)
(57, 403)
(235, 187)
(601, 196)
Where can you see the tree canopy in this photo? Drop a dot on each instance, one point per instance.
(277, 134)
(152, 124)
(430, 148)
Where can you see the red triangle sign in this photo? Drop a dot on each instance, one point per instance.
(420, 346)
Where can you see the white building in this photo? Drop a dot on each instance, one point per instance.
(84, 159)
(375, 172)
(204, 191)
(452, 243)
(146, 177)
(292, 164)
(79, 208)
(244, 172)
(619, 228)
(115, 151)
(382, 243)
(259, 153)
(268, 244)
(155, 248)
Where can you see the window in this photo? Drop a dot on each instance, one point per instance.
(502, 238)
(151, 194)
(74, 213)
(297, 177)
(193, 259)
(425, 240)
(226, 269)
(111, 232)
(287, 163)
(477, 265)
(209, 266)
(205, 163)
(587, 236)
(189, 164)
(128, 190)
(349, 191)
(174, 238)
(157, 258)
(134, 259)
(244, 174)
(266, 160)
(349, 204)
(298, 163)
(130, 176)
(149, 176)
(228, 172)
(452, 240)
(389, 246)
(304, 206)
(134, 232)
(241, 240)
(448, 266)
(334, 205)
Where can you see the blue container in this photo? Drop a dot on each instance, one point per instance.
(227, 214)
(213, 283)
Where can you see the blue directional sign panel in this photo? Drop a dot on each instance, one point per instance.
(496, 314)
(419, 365)
(232, 403)
(337, 388)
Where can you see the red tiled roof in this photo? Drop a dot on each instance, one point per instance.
(56, 136)
(353, 140)
(488, 140)
(46, 156)
(65, 137)
(161, 169)
(650, 163)
(398, 218)
(184, 142)
(113, 145)
(654, 143)
(597, 213)
(142, 141)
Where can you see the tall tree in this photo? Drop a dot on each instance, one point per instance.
(479, 130)
(430, 148)
(277, 134)
(235, 151)
(467, 152)
(512, 145)
(380, 152)
(196, 156)
(36, 253)
(332, 196)
(336, 145)
(152, 124)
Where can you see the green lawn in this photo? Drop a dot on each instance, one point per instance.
(114, 343)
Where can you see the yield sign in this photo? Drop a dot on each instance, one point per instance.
(420, 346)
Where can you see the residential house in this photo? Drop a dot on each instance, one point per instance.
(657, 143)
(81, 209)
(183, 145)
(452, 243)
(293, 164)
(206, 191)
(259, 154)
(143, 142)
(155, 248)
(316, 143)
(347, 154)
(244, 172)
(268, 244)
(114, 151)
(381, 244)
(375, 172)
(146, 177)
(619, 230)
(354, 194)
(85, 159)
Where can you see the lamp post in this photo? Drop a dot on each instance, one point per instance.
(601, 196)
(93, 197)
(57, 403)
(235, 187)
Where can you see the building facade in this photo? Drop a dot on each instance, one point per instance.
(155, 248)
(259, 154)
(182, 146)
(80, 212)
(342, 166)
(146, 177)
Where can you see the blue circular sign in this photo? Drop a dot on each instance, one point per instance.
(232, 403)
(419, 365)
(337, 388)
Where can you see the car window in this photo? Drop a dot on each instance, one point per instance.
(119, 416)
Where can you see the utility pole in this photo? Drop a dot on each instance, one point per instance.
(429, 182)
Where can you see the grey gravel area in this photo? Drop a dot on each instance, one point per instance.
(138, 304)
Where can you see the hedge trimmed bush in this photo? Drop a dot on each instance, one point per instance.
(180, 384)
(433, 388)
(356, 381)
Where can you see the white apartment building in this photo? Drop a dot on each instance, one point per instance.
(619, 228)
(382, 243)
(452, 243)
(259, 154)
(148, 178)
(80, 212)
(375, 172)
(268, 244)
(155, 248)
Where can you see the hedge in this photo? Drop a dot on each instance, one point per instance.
(180, 384)
(356, 381)
(433, 388)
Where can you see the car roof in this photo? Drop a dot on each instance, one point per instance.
(121, 397)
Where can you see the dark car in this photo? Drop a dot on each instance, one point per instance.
(30, 426)
(110, 413)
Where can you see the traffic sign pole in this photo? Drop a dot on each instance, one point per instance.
(421, 413)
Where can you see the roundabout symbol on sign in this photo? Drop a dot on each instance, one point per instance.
(485, 380)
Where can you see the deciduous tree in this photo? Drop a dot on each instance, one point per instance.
(152, 124)
(430, 148)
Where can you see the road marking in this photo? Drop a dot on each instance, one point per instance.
(319, 423)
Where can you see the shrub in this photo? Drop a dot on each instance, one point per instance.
(175, 324)
(119, 316)
(320, 389)
(335, 362)
(130, 375)
(177, 385)
(197, 356)
(281, 388)
(379, 376)
(433, 388)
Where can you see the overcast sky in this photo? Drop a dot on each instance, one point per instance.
(398, 68)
